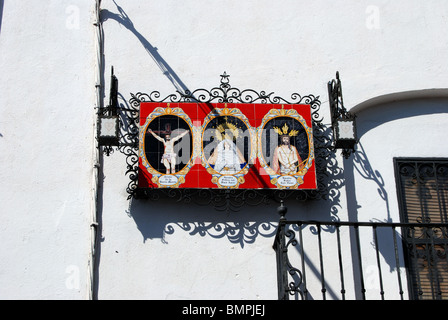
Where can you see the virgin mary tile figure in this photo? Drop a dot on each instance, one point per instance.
(227, 158)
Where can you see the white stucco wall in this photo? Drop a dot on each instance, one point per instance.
(406, 128)
(409, 127)
(282, 47)
(46, 127)
(167, 250)
(286, 46)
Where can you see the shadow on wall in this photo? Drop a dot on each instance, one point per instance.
(159, 219)
(364, 169)
(362, 166)
(368, 119)
(123, 19)
(1, 14)
(250, 215)
(162, 218)
(364, 277)
(359, 165)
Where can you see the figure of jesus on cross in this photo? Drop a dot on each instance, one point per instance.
(169, 156)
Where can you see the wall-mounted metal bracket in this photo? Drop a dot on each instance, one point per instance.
(343, 122)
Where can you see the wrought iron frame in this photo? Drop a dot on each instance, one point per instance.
(222, 199)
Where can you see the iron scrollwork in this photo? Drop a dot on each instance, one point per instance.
(223, 199)
(129, 130)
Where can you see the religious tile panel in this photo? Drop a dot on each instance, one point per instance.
(227, 146)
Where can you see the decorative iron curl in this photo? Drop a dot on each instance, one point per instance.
(236, 232)
(225, 93)
(296, 283)
(128, 143)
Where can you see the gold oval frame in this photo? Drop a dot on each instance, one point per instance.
(299, 176)
(156, 175)
(236, 113)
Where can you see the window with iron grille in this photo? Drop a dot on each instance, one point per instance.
(422, 186)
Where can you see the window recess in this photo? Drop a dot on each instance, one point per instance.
(422, 187)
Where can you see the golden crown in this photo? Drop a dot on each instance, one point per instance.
(222, 131)
(284, 131)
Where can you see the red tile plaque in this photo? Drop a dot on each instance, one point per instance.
(217, 145)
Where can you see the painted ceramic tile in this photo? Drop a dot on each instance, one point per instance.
(285, 148)
(166, 146)
(217, 145)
